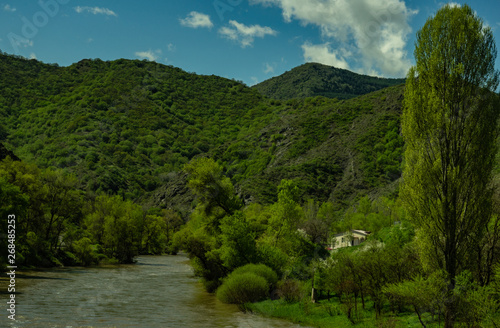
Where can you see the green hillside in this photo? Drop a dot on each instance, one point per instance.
(337, 149)
(121, 126)
(313, 79)
(127, 127)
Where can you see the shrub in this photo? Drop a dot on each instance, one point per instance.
(243, 288)
(84, 252)
(260, 270)
(290, 290)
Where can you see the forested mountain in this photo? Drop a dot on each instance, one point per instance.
(338, 150)
(313, 79)
(120, 126)
(127, 127)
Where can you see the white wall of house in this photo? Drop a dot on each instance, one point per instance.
(350, 238)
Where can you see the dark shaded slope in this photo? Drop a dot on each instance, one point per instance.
(4, 152)
(337, 149)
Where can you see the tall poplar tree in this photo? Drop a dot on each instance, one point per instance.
(450, 128)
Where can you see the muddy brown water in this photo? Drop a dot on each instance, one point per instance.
(157, 291)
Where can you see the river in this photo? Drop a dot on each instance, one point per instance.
(157, 291)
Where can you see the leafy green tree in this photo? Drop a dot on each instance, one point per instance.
(343, 276)
(173, 222)
(318, 221)
(214, 189)
(374, 268)
(212, 236)
(238, 241)
(477, 305)
(63, 205)
(12, 200)
(203, 250)
(117, 226)
(420, 293)
(95, 219)
(122, 231)
(50, 204)
(449, 124)
(84, 251)
(154, 234)
(286, 213)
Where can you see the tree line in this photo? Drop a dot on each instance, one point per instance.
(58, 223)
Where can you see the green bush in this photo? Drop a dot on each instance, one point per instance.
(84, 252)
(243, 288)
(261, 270)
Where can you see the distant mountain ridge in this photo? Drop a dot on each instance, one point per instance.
(313, 79)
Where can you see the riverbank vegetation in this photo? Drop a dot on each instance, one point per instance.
(57, 223)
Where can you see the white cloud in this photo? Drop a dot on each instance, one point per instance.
(322, 53)
(95, 11)
(254, 80)
(22, 42)
(171, 47)
(243, 34)
(9, 8)
(149, 55)
(454, 5)
(33, 56)
(196, 19)
(375, 32)
(268, 68)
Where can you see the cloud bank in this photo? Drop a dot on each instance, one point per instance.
(373, 33)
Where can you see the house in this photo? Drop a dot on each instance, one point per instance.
(349, 238)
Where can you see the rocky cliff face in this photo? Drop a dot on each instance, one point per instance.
(174, 195)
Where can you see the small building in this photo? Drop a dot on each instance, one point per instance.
(349, 238)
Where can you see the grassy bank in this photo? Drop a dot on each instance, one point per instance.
(326, 314)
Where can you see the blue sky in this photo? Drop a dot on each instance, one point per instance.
(248, 40)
